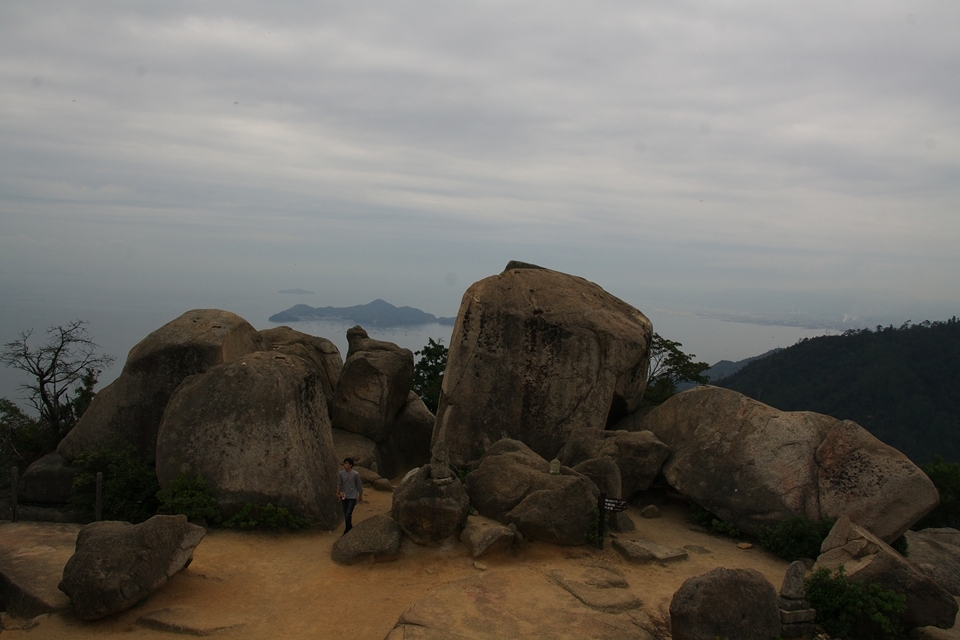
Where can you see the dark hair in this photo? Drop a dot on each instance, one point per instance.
(349, 461)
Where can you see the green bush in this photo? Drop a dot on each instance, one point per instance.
(853, 610)
(265, 516)
(796, 537)
(189, 496)
(129, 485)
(946, 478)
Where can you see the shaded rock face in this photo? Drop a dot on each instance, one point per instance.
(127, 412)
(377, 538)
(754, 465)
(513, 485)
(867, 559)
(374, 384)
(482, 538)
(638, 455)
(117, 564)
(430, 509)
(256, 430)
(725, 603)
(47, 481)
(407, 444)
(535, 354)
(363, 450)
(936, 553)
(320, 352)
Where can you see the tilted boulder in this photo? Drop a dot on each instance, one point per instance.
(256, 430)
(127, 412)
(534, 355)
(512, 484)
(431, 505)
(320, 352)
(378, 538)
(407, 444)
(725, 603)
(118, 564)
(936, 553)
(753, 465)
(374, 383)
(868, 559)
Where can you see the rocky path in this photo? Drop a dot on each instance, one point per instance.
(244, 585)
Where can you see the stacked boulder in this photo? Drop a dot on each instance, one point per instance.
(513, 485)
(374, 400)
(797, 618)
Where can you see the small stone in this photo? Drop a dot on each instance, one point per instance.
(650, 511)
(744, 545)
(10, 623)
(695, 548)
(554, 467)
(804, 615)
(479, 566)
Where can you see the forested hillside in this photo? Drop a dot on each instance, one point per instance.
(902, 384)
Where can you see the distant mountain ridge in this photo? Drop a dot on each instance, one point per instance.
(378, 313)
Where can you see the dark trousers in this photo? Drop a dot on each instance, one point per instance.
(348, 505)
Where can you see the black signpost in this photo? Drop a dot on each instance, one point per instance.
(605, 504)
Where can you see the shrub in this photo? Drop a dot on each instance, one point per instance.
(704, 518)
(265, 516)
(946, 478)
(129, 485)
(796, 537)
(853, 610)
(189, 496)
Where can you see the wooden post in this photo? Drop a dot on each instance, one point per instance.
(14, 482)
(98, 509)
(601, 509)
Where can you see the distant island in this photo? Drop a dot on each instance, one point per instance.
(299, 292)
(378, 313)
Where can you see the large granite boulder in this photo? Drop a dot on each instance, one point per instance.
(320, 352)
(127, 412)
(512, 484)
(378, 538)
(725, 603)
(118, 564)
(936, 553)
(868, 559)
(534, 355)
(47, 481)
(407, 444)
(374, 384)
(431, 504)
(639, 455)
(256, 430)
(753, 465)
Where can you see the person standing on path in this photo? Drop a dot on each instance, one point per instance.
(349, 490)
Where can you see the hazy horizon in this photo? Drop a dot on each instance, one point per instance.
(745, 160)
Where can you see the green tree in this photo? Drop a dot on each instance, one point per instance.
(668, 367)
(16, 432)
(428, 373)
(63, 372)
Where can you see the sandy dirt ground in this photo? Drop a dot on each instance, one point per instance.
(284, 585)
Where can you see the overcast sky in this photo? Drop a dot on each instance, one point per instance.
(746, 157)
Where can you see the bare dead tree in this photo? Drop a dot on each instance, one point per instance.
(68, 362)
